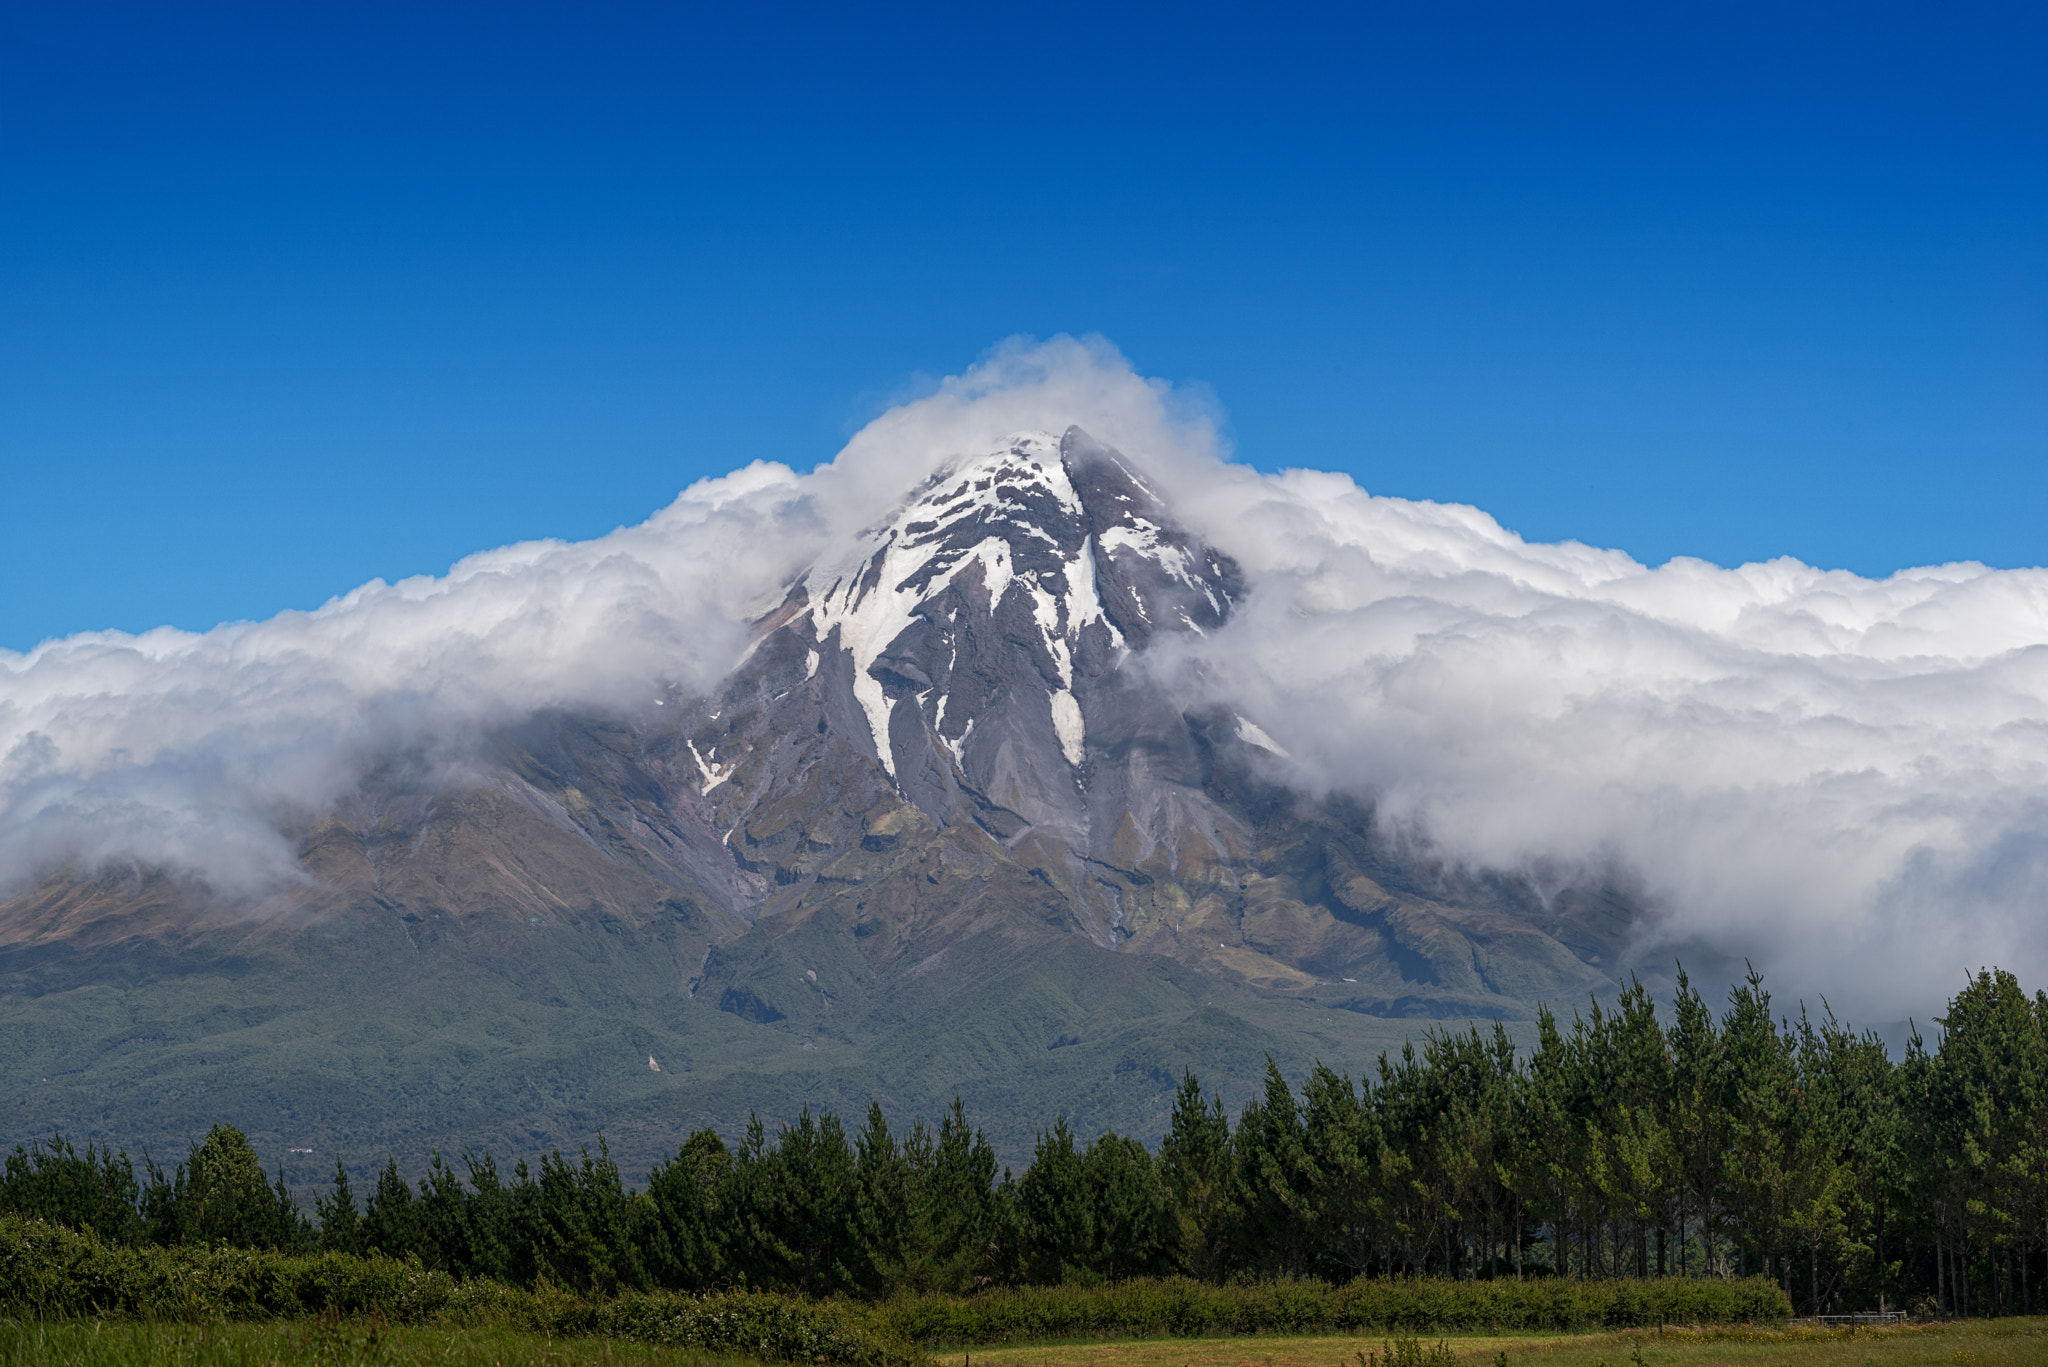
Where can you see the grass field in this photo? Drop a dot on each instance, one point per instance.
(2002, 1343)
(309, 1343)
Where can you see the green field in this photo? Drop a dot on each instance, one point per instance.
(94, 1344)
(2000, 1343)
(1981, 1343)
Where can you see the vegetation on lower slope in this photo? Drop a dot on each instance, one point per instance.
(520, 1037)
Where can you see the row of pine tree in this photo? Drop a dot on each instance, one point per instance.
(1627, 1145)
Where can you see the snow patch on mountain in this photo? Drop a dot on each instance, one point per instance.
(713, 774)
(1066, 724)
(1252, 733)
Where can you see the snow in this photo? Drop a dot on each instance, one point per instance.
(712, 776)
(1143, 538)
(1066, 722)
(1256, 735)
(1084, 604)
(972, 489)
(1146, 539)
(959, 747)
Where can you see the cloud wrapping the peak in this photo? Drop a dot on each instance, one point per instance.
(189, 751)
(1844, 777)
(1805, 767)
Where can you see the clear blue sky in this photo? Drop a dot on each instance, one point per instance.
(296, 295)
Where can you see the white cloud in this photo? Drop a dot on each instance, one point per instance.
(1840, 777)
(187, 749)
(1843, 778)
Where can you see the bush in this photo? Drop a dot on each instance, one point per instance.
(760, 1326)
(47, 1272)
(1182, 1308)
(52, 1273)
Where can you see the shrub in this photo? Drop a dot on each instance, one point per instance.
(47, 1272)
(1183, 1308)
(769, 1327)
(54, 1273)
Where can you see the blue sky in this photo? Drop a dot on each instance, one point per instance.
(292, 300)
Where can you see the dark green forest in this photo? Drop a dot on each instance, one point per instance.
(1629, 1144)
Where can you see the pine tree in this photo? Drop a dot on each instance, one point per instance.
(500, 1246)
(1846, 1080)
(1058, 1220)
(800, 1195)
(1781, 1178)
(954, 1194)
(391, 1224)
(444, 1230)
(1128, 1205)
(1276, 1181)
(341, 1225)
(1986, 1084)
(583, 1236)
(1545, 1171)
(892, 1234)
(219, 1195)
(1698, 1123)
(681, 1234)
(1355, 1170)
(94, 1191)
(1633, 1114)
(1195, 1168)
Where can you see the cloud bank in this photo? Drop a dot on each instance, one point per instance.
(1845, 779)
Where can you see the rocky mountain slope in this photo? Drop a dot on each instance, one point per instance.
(942, 830)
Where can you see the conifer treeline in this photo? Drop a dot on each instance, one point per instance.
(1626, 1145)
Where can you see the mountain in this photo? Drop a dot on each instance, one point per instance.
(944, 829)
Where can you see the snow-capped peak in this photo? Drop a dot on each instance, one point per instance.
(1006, 518)
(1004, 550)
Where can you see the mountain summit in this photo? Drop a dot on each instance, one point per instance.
(979, 649)
(942, 830)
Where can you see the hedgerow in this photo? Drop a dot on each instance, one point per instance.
(1180, 1307)
(47, 1272)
